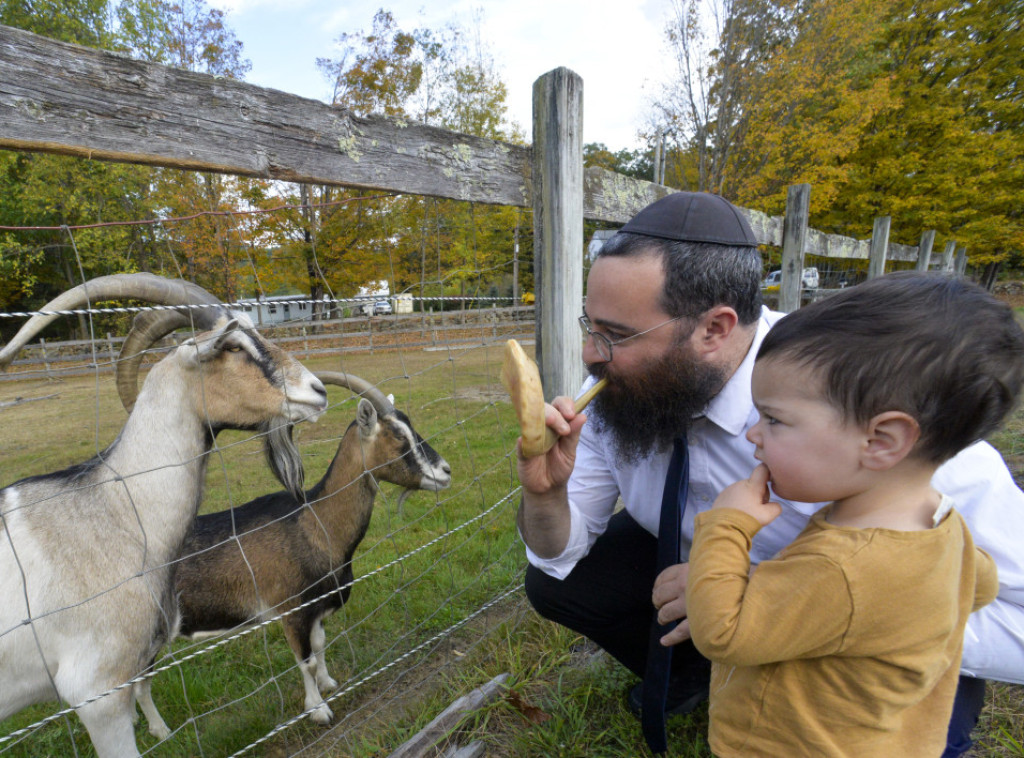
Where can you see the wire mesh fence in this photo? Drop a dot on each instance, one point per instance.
(435, 572)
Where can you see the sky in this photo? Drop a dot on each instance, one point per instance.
(616, 46)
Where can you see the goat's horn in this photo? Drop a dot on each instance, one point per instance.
(149, 327)
(143, 286)
(359, 387)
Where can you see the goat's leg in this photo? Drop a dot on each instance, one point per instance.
(144, 696)
(298, 631)
(318, 642)
(109, 723)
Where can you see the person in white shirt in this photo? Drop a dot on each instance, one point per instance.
(673, 318)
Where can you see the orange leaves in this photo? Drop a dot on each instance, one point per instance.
(531, 713)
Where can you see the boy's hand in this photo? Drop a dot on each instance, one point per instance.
(751, 497)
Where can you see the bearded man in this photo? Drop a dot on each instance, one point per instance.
(673, 318)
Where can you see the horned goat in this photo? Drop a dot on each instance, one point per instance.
(86, 554)
(291, 550)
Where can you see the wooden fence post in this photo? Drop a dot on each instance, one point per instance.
(947, 256)
(924, 250)
(558, 228)
(794, 236)
(961, 261)
(879, 246)
(46, 360)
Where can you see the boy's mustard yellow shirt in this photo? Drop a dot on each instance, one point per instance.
(847, 643)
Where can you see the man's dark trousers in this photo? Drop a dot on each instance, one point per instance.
(607, 598)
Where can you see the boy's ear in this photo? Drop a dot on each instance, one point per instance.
(889, 439)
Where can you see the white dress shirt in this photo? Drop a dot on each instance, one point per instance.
(977, 479)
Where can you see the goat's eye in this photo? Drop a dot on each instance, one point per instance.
(233, 349)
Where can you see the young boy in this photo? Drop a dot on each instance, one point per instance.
(848, 642)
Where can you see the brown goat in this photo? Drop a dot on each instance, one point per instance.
(292, 552)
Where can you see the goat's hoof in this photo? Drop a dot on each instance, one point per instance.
(322, 714)
(160, 731)
(327, 684)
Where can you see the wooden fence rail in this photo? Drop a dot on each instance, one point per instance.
(65, 99)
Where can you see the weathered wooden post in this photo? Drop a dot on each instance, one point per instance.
(46, 360)
(558, 228)
(794, 237)
(879, 246)
(924, 250)
(947, 256)
(960, 266)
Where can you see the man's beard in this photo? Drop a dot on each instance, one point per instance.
(646, 411)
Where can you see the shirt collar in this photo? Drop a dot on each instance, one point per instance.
(731, 408)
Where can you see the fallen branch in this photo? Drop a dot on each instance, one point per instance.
(423, 743)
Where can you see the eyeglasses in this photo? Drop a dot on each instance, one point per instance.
(604, 344)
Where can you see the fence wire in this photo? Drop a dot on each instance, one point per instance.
(429, 569)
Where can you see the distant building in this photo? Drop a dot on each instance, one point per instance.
(278, 309)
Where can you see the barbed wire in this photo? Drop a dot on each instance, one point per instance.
(362, 300)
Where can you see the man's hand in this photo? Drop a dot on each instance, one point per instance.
(544, 474)
(751, 497)
(669, 598)
(544, 519)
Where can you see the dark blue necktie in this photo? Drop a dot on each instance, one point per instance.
(659, 657)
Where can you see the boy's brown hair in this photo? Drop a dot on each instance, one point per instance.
(936, 347)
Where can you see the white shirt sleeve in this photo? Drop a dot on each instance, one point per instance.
(593, 492)
(993, 507)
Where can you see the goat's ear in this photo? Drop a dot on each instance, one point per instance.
(216, 341)
(211, 344)
(366, 417)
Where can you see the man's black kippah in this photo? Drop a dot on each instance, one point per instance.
(693, 217)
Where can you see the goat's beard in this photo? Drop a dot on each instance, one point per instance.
(647, 409)
(284, 458)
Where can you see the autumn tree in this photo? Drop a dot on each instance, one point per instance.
(349, 237)
(635, 163)
(905, 108)
(719, 48)
(809, 107)
(950, 154)
(42, 190)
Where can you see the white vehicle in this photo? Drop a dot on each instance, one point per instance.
(375, 308)
(809, 279)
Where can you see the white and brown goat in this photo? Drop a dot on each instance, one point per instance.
(86, 554)
(278, 552)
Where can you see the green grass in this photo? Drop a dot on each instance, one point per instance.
(565, 698)
(433, 565)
